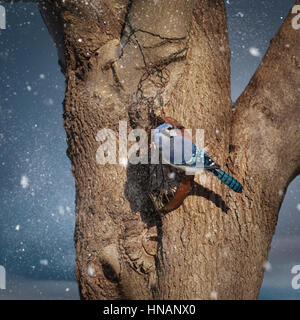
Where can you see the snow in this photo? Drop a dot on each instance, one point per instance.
(254, 52)
(49, 102)
(42, 200)
(123, 162)
(214, 295)
(171, 175)
(44, 262)
(208, 235)
(61, 210)
(267, 266)
(91, 271)
(24, 182)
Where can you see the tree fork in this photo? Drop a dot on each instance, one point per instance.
(202, 250)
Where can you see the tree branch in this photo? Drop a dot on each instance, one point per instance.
(266, 124)
(265, 146)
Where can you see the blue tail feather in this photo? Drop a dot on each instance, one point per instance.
(227, 179)
(231, 182)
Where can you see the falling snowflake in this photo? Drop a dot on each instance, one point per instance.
(298, 206)
(24, 182)
(91, 271)
(61, 210)
(214, 295)
(208, 235)
(17, 227)
(123, 162)
(171, 175)
(49, 102)
(44, 262)
(254, 52)
(267, 266)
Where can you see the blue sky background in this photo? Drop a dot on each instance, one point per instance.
(36, 186)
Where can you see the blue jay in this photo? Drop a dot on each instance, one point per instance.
(178, 149)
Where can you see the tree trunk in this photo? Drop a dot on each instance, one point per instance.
(216, 243)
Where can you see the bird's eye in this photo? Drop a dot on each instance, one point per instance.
(169, 128)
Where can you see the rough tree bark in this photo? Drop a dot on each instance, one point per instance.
(216, 243)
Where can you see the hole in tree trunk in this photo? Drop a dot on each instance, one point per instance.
(109, 272)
